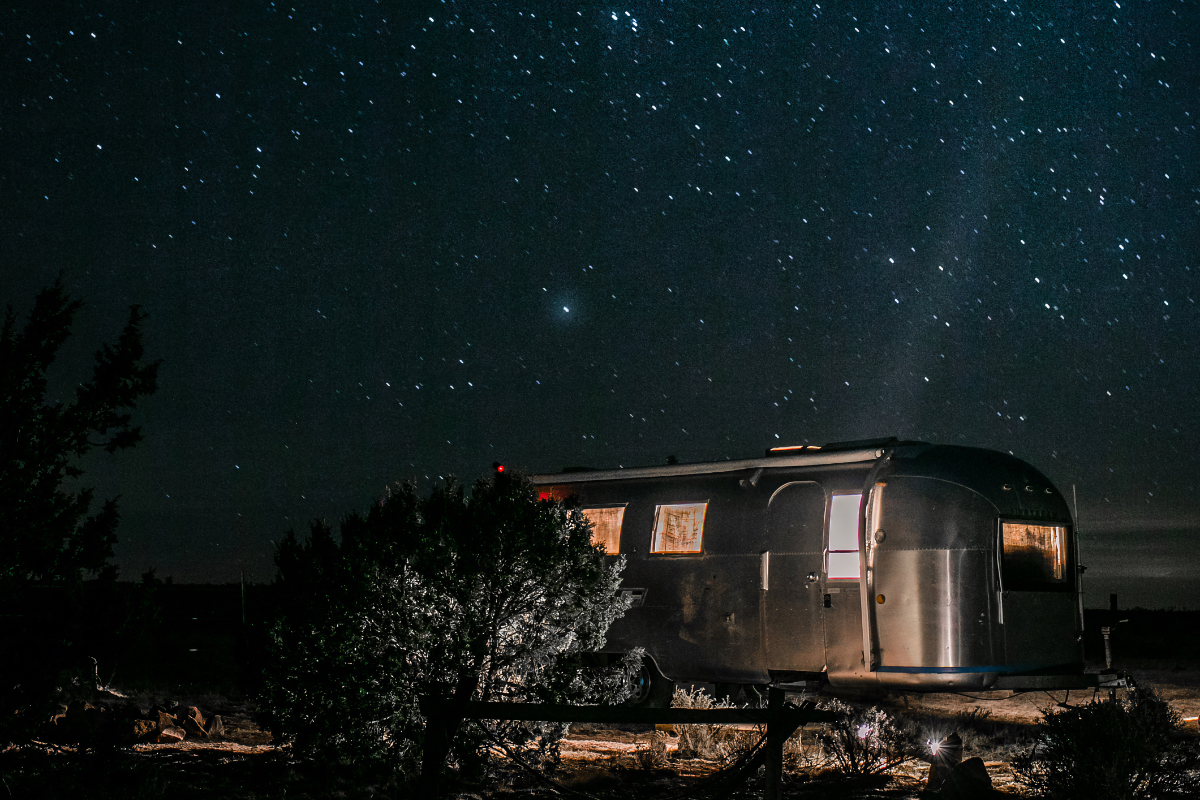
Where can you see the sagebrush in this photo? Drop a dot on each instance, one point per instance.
(711, 742)
(1117, 749)
(863, 741)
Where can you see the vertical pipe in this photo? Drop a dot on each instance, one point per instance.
(1000, 572)
(865, 579)
(1079, 568)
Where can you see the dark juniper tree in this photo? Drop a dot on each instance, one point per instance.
(52, 535)
(498, 595)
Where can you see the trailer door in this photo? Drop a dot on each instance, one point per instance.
(792, 634)
(841, 597)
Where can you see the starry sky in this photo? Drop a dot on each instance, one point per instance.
(387, 240)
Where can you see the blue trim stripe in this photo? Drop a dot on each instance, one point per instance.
(958, 670)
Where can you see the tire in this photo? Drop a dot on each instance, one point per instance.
(650, 688)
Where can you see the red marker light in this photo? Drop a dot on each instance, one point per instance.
(496, 465)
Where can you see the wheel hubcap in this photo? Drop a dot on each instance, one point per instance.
(641, 685)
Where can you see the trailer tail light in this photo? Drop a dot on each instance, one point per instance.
(1034, 554)
(560, 492)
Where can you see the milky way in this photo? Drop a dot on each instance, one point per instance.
(377, 245)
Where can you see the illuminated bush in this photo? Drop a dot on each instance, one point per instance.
(1111, 750)
(862, 741)
(495, 596)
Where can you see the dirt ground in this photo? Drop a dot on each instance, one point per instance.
(599, 757)
(612, 761)
(1178, 685)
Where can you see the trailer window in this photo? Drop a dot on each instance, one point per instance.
(678, 528)
(606, 527)
(842, 560)
(1034, 555)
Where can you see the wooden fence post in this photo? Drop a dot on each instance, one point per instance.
(777, 734)
(438, 737)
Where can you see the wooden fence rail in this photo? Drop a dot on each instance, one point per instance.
(443, 718)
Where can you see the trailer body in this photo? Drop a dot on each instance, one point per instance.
(888, 564)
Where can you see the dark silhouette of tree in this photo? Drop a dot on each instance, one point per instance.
(52, 535)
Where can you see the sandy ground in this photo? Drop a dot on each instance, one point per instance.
(588, 750)
(593, 757)
(614, 758)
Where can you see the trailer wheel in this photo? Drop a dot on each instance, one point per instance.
(651, 689)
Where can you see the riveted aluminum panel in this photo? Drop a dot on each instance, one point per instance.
(934, 613)
(701, 617)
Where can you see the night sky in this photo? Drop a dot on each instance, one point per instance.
(379, 241)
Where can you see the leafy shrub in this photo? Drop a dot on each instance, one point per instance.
(1111, 750)
(495, 596)
(863, 741)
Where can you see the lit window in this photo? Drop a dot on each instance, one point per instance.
(606, 527)
(1034, 554)
(678, 528)
(843, 536)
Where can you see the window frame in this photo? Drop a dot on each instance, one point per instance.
(620, 523)
(655, 530)
(1021, 584)
(829, 551)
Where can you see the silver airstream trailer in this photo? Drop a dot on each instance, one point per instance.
(888, 564)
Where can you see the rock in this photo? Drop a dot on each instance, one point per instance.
(166, 720)
(193, 729)
(216, 728)
(195, 714)
(145, 729)
(967, 781)
(170, 735)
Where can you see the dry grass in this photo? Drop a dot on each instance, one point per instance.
(709, 742)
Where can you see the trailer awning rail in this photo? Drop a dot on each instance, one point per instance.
(815, 458)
